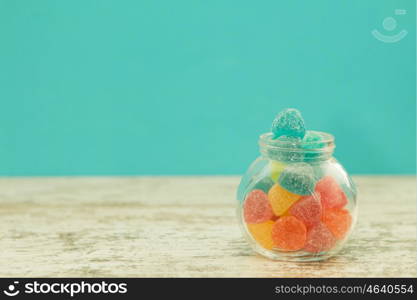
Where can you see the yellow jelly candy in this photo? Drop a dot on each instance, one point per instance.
(281, 199)
(276, 169)
(262, 233)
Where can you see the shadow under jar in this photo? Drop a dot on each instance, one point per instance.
(296, 202)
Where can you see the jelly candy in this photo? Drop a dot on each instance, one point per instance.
(264, 184)
(298, 178)
(319, 238)
(288, 122)
(338, 221)
(262, 233)
(307, 210)
(276, 168)
(288, 233)
(312, 140)
(281, 199)
(256, 208)
(332, 195)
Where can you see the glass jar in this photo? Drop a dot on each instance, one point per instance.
(296, 202)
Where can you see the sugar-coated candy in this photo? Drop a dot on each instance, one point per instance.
(281, 199)
(298, 178)
(338, 221)
(319, 238)
(264, 184)
(256, 208)
(312, 140)
(332, 195)
(308, 210)
(276, 168)
(262, 233)
(288, 122)
(289, 233)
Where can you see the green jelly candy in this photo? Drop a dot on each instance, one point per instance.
(290, 123)
(298, 178)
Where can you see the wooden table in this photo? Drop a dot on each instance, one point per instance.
(182, 227)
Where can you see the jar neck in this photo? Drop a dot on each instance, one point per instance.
(316, 146)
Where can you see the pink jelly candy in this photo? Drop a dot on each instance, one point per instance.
(257, 208)
(338, 221)
(332, 195)
(319, 238)
(308, 210)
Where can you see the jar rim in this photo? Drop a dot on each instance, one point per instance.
(326, 139)
(317, 146)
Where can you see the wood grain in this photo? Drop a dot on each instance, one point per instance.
(182, 227)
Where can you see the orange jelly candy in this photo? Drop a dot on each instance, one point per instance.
(281, 199)
(338, 221)
(288, 233)
(262, 233)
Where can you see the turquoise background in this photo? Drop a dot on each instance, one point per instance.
(186, 87)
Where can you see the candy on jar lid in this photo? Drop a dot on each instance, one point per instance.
(290, 123)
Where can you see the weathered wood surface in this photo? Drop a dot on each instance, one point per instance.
(182, 227)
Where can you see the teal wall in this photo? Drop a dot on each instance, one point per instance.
(185, 87)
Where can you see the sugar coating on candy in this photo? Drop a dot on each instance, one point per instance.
(262, 233)
(308, 210)
(256, 208)
(338, 221)
(319, 238)
(264, 184)
(298, 178)
(289, 234)
(332, 195)
(312, 140)
(288, 122)
(281, 199)
(276, 168)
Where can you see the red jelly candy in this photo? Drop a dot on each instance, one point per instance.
(289, 233)
(332, 195)
(308, 210)
(257, 208)
(319, 238)
(338, 221)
